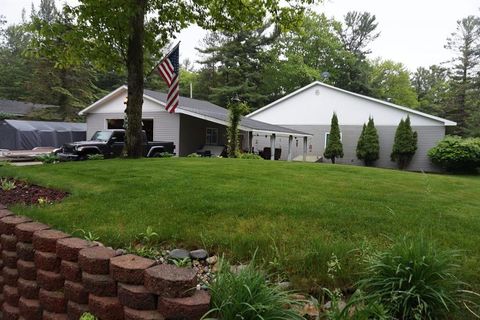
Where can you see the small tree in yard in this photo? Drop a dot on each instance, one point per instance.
(405, 144)
(368, 146)
(334, 147)
(236, 110)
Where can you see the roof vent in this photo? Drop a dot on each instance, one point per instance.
(317, 92)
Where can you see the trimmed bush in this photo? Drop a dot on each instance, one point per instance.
(413, 280)
(247, 294)
(97, 156)
(405, 144)
(334, 148)
(368, 147)
(456, 154)
(48, 158)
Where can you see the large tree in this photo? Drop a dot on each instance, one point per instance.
(390, 81)
(432, 88)
(131, 34)
(465, 43)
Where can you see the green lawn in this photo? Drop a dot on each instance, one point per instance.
(296, 214)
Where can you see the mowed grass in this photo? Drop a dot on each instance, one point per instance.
(295, 214)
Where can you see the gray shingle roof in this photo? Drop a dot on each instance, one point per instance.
(28, 125)
(20, 108)
(211, 110)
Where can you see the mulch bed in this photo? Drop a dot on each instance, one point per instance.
(29, 194)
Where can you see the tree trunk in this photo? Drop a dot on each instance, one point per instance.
(135, 81)
(333, 160)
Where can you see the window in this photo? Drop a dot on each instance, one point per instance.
(327, 135)
(212, 136)
(147, 125)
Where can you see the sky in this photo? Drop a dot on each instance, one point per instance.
(413, 32)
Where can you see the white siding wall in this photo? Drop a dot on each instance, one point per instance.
(315, 106)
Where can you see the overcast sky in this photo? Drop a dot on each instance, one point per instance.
(412, 31)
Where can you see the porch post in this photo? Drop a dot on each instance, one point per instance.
(250, 141)
(272, 146)
(290, 139)
(304, 148)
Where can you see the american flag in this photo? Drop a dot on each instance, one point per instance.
(169, 68)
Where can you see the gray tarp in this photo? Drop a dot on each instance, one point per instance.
(26, 135)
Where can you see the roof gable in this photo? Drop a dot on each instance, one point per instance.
(317, 101)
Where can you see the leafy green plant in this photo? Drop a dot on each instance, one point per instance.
(88, 316)
(88, 235)
(97, 156)
(235, 111)
(144, 251)
(7, 185)
(413, 280)
(42, 201)
(456, 154)
(250, 156)
(48, 158)
(247, 294)
(404, 145)
(165, 155)
(194, 155)
(334, 148)
(148, 237)
(182, 263)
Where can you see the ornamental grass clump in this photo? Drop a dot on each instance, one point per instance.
(247, 294)
(414, 280)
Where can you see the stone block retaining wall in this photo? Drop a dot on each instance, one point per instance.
(47, 274)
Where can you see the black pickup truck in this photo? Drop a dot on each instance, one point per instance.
(110, 144)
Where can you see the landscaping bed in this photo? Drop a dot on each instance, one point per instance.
(20, 192)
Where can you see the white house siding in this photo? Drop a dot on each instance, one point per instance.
(315, 106)
(428, 136)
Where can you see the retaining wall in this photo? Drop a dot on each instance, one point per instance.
(47, 274)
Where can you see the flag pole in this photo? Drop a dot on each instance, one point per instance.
(164, 58)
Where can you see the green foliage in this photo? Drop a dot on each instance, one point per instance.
(236, 110)
(48, 158)
(334, 147)
(97, 156)
(164, 155)
(88, 316)
(4, 116)
(390, 81)
(182, 263)
(249, 156)
(414, 280)
(368, 147)
(89, 235)
(7, 185)
(457, 154)
(148, 237)
(247, 294)
(432, 89)
(405, 144)
(194, 155)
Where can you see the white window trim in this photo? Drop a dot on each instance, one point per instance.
(327, 133)
(215, 143)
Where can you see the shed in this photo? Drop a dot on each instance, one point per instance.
(26, 135)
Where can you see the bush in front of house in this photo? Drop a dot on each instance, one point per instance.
(247, 294)
(251, 156)
(334, 148)
(194, 155)
(414, 280)
(97, 156)
(48, 158)
(368, 147)
(457, 154)
(405, 144)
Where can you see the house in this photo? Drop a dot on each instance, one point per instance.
(26, 135)
(310, 110)
(18, 109)
(195, 125)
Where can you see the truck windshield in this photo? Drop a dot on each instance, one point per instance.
(102, 135)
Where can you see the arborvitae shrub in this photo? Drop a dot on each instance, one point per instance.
(334, 148)
(405, 144)
(368, 147)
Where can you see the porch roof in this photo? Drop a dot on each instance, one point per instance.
(208, 111)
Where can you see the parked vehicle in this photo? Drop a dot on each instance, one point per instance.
(110, 143)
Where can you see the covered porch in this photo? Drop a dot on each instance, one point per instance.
(207, 134)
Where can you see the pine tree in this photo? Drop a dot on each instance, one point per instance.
(368, 147)
(334, 147)
(405, 144)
